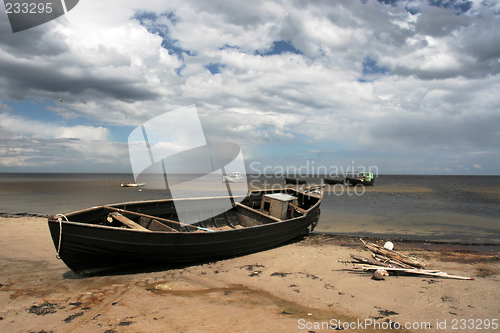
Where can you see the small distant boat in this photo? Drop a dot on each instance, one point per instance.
(294, 180)
(115, 237)
(132, 184)
(234, 178)
(355, 178)
(333, 181)
(289, 180)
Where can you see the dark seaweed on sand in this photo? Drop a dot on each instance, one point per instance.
(45, 308)
(73, 316)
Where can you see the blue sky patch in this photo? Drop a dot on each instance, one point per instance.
(119, 133)
(389, 2)
(149, 20)
(227, 46)
(280, 47)
(457, 6)
(35, 110)
(371, 67)
(179, 70)
(215, 68)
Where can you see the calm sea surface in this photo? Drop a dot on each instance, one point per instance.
(444, 208)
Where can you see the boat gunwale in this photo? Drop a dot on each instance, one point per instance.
(187, 199)
(54, 219)
(149, 232)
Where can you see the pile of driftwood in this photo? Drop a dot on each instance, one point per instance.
(385, 259)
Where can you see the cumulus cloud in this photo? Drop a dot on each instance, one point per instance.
(26, 143)
(376, 76)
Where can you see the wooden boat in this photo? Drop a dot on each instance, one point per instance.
(355, 178)
(111, 238)
(289, 180)
(333, 181)
(132, 184)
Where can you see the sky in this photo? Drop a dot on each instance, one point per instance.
(401, 87)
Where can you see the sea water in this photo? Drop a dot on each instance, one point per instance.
(432, 208)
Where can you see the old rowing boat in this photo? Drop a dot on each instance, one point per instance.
(113, 237)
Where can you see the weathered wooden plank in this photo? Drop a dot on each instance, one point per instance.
(154, 225)
(150, 216)
(414, 262)
(257, 213)
(368, 261)
(126, 221)
(414, 271)
(297, 208)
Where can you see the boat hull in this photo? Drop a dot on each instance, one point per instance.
(354, 181)
(89, 249)
(333, 181)
(295, 181)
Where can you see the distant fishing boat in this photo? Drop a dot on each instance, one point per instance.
(132, 184)
(289, 180)
(233, 178)
(355, 178)
(294, 180)
(333, 181)
(119, 236)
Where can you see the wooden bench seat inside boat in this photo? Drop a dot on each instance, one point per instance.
(125, 220)
(226, 221)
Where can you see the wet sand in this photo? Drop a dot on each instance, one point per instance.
(292, 288)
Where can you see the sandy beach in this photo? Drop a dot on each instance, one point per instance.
(302, 286)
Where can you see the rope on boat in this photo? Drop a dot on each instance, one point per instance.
(59, 218)
(200, 228)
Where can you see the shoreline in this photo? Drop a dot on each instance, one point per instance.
(324, 233)
(283, 289)
(402, 240)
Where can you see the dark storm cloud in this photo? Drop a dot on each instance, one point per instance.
(438, 22)
(470, 71)
(20, 78)
(40, 60)
(244, 14)
(30, 43)
(457, 6)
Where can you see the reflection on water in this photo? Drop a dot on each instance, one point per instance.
(413, 207)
